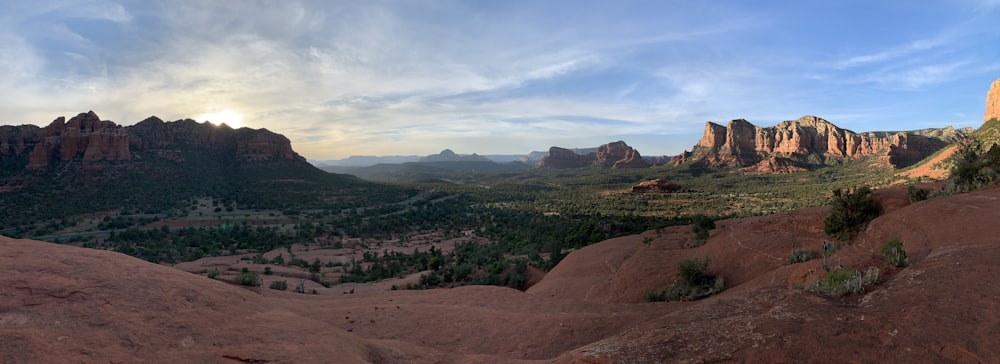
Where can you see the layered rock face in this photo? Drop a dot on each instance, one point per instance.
(85, 136)
(612, 155)
(785, 147)
(993, 102)
(89, 139)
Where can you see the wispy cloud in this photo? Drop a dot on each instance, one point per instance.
(401, 77)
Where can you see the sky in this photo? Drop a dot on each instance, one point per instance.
(371, 77)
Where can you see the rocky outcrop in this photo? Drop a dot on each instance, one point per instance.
(85, 137)
(559, 158)
(612, 155)
(88, 139)
(775, 165)
(992, 102)
(655, 186)
(792, 145)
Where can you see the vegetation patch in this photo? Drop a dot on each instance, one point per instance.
(973, 168)
(248, 278)
(279, 285)
(701, 225)
(801, 255)
(850, 212)
(692, 284)
(915, 194)
(893, 254)
(844, 281)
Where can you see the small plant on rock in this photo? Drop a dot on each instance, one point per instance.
(916, 194)
(279, 285)
(248, 278)
(693, 283)
(893, 254)
(800, 255)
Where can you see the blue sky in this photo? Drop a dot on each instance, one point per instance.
(344, 78)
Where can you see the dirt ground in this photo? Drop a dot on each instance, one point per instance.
(65, 304)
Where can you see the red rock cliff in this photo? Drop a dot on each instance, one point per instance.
(612, 155)
(85, 136)
(812, 140)
(993, 102)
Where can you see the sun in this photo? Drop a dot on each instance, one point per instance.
(228, 117)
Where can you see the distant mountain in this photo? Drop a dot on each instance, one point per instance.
(449, 156)
(612, 155)
(796, 144)
(365, 161)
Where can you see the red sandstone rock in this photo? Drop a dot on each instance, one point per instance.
(811, 140)
(612, 155)
(655, 186)
(993, 102)
(89, 139)
(85, 136)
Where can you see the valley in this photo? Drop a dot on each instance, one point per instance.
(433, 268)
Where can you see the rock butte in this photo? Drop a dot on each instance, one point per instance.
(612, 155)
(811, 140)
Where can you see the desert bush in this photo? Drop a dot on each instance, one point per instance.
(972, 168)
(248, 278)
(701, 225)
(843, 281)
(916, 194)
(656, 296)
(800, 255)
(693, 283)
(850, 211)
(213, 273)
(893, 254)
(840, 282)
(279, 285)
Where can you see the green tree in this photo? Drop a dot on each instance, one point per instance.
(850, 211)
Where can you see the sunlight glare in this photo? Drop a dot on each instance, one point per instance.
(229, 117)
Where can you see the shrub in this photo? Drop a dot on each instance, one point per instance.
(701, 225)
(843, 281)
(851, 210)
(656, 296)
(213, 273)
(693, 282)
(971, 167)
(279, 285)
(893, 254)
(248, 278)
(840, 282)
(799, 256)
(916, 194)
(267, 271)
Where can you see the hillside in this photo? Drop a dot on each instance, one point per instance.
(60, 303)
(89, 165)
